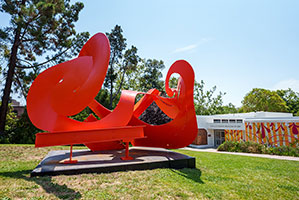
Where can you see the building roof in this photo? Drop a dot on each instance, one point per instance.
(259, 114)
(237, 120)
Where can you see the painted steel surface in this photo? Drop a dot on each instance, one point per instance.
(67, 88)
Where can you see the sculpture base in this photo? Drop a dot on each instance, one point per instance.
(110, 161)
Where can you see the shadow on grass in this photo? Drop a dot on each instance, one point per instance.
(193, 174)
(60, 191)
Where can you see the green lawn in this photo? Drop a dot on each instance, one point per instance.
(217, 176)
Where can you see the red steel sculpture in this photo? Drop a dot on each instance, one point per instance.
(67, 88)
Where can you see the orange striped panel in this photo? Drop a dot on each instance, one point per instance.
(226, 135)
(246, 131)
(254, 132)
(286, 134)
(297, 135)
(280, 135)
(269, 133)
(274, 133)
(233, 135)
(292, 135)
(260, 134)
(240, 135)
(266, 136)
(250, 134)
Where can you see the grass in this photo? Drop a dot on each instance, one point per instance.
(217, 176)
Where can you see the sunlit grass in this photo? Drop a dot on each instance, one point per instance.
(217, 176)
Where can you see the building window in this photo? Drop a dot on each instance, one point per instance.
(239, 121)
(216, 120)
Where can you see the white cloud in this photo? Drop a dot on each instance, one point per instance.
(187, 48)
(285, 84)
(192, 46)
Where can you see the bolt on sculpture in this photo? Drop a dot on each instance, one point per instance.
(67, 88)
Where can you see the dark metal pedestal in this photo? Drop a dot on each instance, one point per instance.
(110, 161)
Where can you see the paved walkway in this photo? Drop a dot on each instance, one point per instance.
(213, 150)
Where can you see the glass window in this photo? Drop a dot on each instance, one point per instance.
(224, 120)
(232, 121)
(239, 121)
(216, 120)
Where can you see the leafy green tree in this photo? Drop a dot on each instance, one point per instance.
(117, 46)
(11, 121)
(292, 100)
(19, 130)
(147, 74)
(151, 77)
(127, 70)
(128, 65)
(230, 108)
(259, 99)
(121, 63)
(37, 28)
(173, 82)
(22, 131)
(132, 79)
(206, 102)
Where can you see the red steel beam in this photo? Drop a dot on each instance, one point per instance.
(127, 133)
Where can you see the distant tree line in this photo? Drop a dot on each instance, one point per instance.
(259, 99)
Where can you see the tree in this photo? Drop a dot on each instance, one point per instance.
(230, 108)
(11, 122)
(36, 28)
(132, 79)
(119, 63)
(147, 74)
(292, 100)
(259, 99)
(21, 132)
(205, 101)
(151, 77)
(128, 65)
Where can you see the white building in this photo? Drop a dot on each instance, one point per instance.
(264, 127)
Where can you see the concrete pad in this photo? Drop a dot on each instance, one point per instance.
(109, 161)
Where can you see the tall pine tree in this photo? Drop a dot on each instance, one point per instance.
(40, 34)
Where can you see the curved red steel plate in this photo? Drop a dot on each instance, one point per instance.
(67, 88)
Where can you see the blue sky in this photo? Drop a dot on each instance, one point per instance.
(235, 45)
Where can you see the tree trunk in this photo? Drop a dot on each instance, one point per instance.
(111, 95)
(9, 79)
(111, 81)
